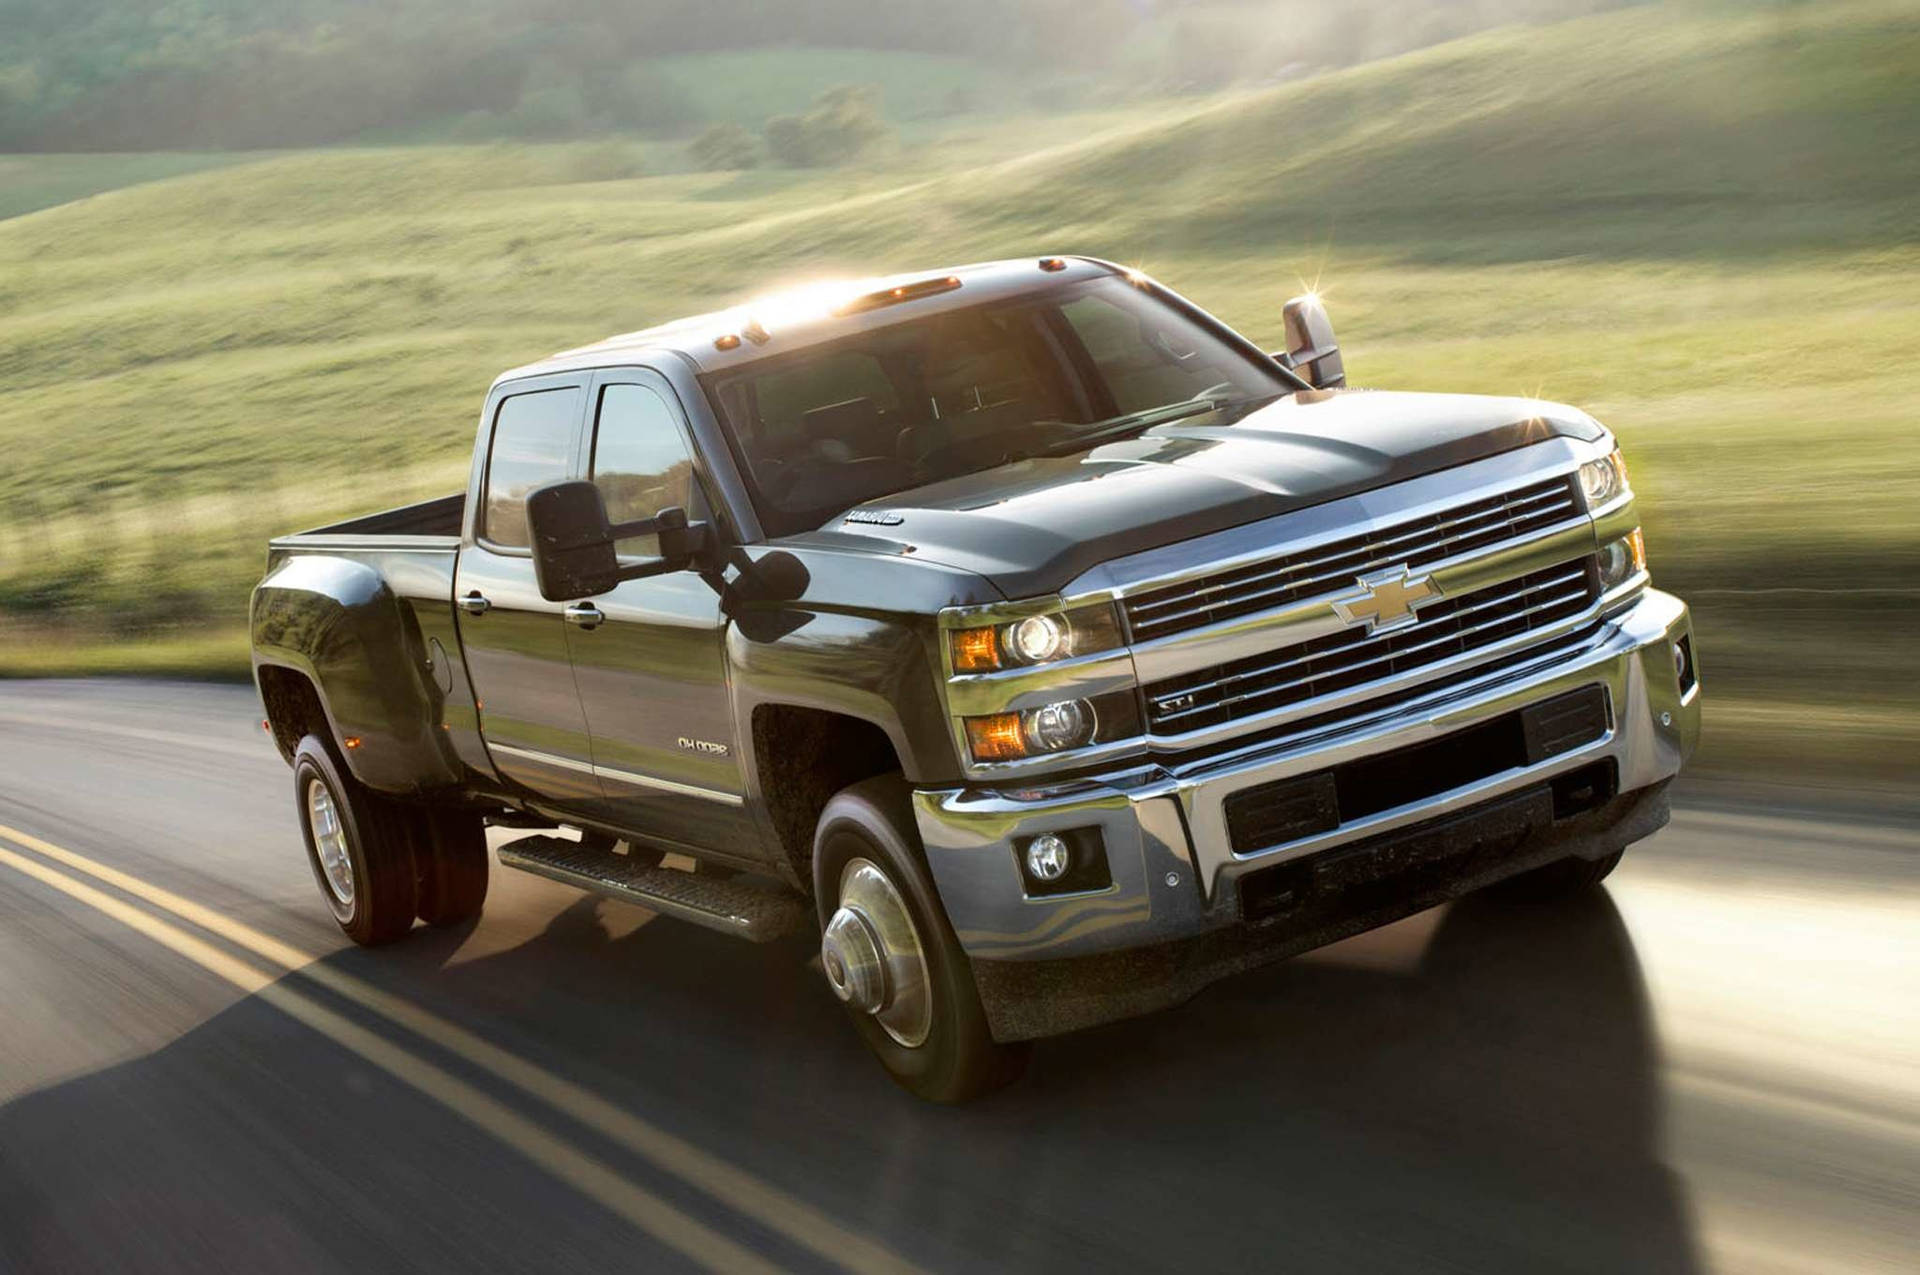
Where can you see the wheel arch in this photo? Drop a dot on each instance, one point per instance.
(803, 756)
(338, 652)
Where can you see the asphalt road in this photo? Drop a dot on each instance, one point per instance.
(1714, 1064)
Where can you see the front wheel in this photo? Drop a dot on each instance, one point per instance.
(359, 845)
(890, 954)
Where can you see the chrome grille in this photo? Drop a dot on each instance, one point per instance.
(1273, 582)
(1342, 661)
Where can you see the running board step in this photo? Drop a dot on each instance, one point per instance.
(744, 910)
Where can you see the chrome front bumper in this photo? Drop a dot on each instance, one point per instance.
(1164, 830)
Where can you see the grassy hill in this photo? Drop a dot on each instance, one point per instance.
(1696, 221)
(32, 182)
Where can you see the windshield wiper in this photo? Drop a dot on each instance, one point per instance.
(1146, 418)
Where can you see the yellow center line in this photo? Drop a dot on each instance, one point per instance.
(589, 1176)
(735, 1187)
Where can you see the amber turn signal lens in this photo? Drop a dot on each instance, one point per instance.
(997, 737)
(1637, 546)
(976, 650)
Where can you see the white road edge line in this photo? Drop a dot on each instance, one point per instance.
(732, 1186)
(591, 1177)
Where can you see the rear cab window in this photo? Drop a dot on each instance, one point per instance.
(532, 445)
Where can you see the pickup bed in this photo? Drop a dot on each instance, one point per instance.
(1040, 644)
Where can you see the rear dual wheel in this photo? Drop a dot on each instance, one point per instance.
(381, 862)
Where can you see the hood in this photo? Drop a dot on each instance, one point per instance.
(1032, 526)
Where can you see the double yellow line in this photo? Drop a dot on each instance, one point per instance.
(737, 1189)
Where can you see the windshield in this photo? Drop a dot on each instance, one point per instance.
(846, 421)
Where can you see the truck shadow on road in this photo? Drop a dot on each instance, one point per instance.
(1477, 1092)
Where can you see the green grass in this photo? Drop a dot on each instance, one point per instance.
(1697, 222)
(29, 183)
(746, 86)
(219, 655)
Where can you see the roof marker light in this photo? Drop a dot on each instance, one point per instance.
(904, 292)
(726, 341)
(1053, 263)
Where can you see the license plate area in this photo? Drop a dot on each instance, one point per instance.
(1270, 815)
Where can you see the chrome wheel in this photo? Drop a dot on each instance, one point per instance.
(330, 842)
(873, 957)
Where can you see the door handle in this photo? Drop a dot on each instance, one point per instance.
(475, 603)
(584, 615)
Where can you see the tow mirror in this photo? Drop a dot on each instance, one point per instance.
(574, 546)
(1311, 349)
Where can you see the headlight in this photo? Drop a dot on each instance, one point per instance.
(1050, 728)
(1053, 728)
(1035, 639)
(1622, 559)
(1602, 480)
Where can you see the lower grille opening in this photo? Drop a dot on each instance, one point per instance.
(1388, 871)
(1588, 788)
(1272, 814)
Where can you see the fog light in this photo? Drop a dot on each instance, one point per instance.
(1048, 857)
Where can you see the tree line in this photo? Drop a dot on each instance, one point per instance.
(239, 74)
(138, 75)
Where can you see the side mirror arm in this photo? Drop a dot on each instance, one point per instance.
(574, 546)
(680, 542)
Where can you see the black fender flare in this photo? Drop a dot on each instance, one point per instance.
(338, 623)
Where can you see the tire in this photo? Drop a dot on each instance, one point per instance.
(450, 849)
(375, 841)
(1563, 878)
(957, 1059)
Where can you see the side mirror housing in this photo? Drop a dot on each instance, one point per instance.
(574, 553)
(1311, 349)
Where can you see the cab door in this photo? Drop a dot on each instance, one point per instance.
(515, 641)
(650, 657)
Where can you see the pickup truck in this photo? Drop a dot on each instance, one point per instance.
(1041, 644)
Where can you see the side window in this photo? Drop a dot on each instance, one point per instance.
(532, 440)
(640, 462)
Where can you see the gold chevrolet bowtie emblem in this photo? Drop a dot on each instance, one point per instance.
(1386, 599)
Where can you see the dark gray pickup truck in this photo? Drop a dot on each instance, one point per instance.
(1045, 646)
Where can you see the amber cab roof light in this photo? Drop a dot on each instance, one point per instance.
(894, 296)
